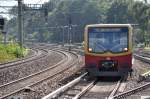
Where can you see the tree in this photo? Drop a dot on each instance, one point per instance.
(141, 12)
(118, 12)
(62, 13)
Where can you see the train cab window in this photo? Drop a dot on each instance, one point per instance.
(102, 40)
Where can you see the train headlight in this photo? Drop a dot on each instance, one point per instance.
(125, 49)
(90, 49)
(113, 65)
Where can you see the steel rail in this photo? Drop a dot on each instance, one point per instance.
(132, 91)
(146, 60)
(32, 58)
(20, 61)
(57, 73)
(27, 59)
(88, 87)
(35, 54)
(142, 58)
(115, 90)
(63, 88)
(35, 74)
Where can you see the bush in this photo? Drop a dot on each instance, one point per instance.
(11, 52)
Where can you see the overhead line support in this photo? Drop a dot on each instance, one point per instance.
(20, 24)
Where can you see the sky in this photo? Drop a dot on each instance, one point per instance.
(35, 1)
(14, 2)
(143, 0)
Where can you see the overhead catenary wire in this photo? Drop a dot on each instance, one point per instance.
(7, 0)
(38, 2)
(5, 8)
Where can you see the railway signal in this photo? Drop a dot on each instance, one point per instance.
(46, 14)
(69, 30)
(2, 22)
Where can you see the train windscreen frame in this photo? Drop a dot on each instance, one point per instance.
(108, 39)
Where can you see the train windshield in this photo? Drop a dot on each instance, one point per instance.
(113, 40)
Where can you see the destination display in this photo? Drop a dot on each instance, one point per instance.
(100, 29)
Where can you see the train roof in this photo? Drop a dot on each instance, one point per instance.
(109, 25)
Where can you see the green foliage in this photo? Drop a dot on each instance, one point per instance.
(11, 52)
(121, 12)
(138, 36)
(81, 13)
(141, 14)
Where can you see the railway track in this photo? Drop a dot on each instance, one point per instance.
(38, 55)
(36, 78)
(58, 92)
(143, 53)
(34, 51)
(103, 90)
(143, 58)
(81, 89)
(16, 70)
(78, 90)
(139, 87)
(132, 91)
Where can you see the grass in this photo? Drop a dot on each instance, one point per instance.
(147, 48)
(11, 52)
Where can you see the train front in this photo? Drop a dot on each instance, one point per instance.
(108, 49)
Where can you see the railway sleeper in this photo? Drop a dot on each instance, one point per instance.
(143, 76)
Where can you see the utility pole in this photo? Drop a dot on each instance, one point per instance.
(63, 30)
(69, 29)
(4, 33)
(20, 24)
